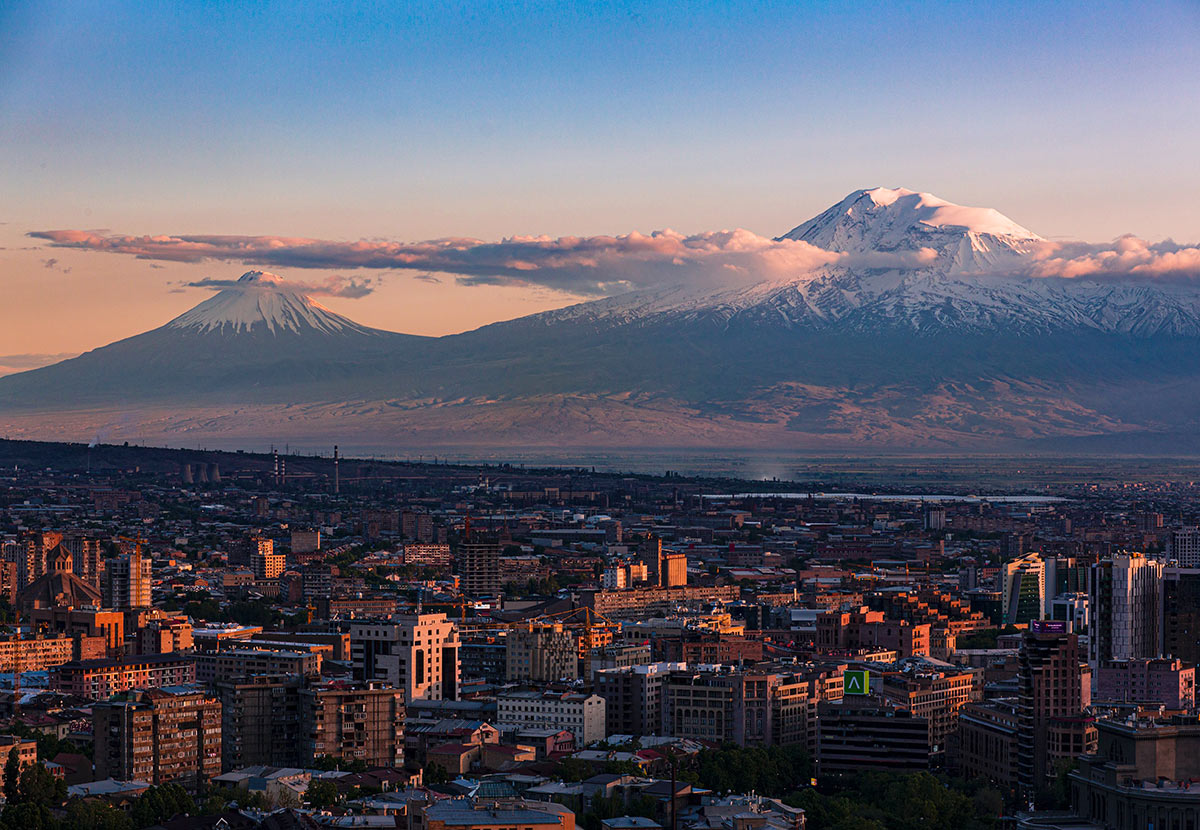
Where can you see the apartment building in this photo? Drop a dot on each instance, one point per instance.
(102, 678)
(160, 736)
(355, 722)
(633, 697)
(229, 664)
(417, 654)
(541, 653)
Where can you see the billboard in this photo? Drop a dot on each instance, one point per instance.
(856, 682)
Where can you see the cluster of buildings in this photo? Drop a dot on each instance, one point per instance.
(255, 629)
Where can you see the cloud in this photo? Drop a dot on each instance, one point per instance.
(335, 286)
(11, 363)
(581, 265)
(597, 265)
(1120, 260)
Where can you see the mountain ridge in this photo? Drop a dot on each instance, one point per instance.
(926, 329)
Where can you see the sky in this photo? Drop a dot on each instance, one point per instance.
(401, 123)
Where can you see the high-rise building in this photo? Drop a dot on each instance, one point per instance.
(264, 561)
(306, 541)
(864, 733)
(633, 697)
(353, 722)
(1023, 588)
(417, 527)
(1124, 609)
(651, 552)
(128, 580)
(33, 555)
(159, 736)
(1181, 614)
(418, 655)
(934, 518)
(478, 565)
(1064, 575)
(674, 570)
(1054, 691)
(933, 695)
(1183, 547)
(541, 653)
(260, 721)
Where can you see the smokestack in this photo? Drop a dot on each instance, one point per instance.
(202, 473)
(337, 485)
(214, 473)
(186, 473)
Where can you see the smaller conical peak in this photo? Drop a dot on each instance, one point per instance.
(260, 278)
(262, 300)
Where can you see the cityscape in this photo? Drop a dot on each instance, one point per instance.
(599, 415)
(326, 641)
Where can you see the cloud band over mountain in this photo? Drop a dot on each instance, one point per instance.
(584, 265)
(335, 286)
(598, 265)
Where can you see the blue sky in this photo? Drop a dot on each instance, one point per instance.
(420, 120)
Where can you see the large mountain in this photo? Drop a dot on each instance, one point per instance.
(926, 331)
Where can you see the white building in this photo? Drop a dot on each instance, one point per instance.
(578, 713)
(1183, 547)
(1124, 609)
(418, 654)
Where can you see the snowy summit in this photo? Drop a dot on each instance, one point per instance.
(883, 219)
(263, 301)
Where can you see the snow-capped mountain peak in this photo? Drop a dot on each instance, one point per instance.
(979, 281)
(265, 302)
(898, 219)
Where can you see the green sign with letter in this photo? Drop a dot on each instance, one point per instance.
(856, 682)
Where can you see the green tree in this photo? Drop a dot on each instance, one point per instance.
(321, 793)
(573, 769)
(158, 804)
(38, 786)
(435, 774)
(96, 815)
(28, 816)
(12, 776)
